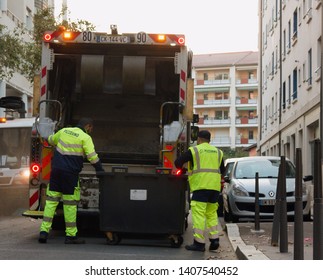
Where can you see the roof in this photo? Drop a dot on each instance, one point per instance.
(24, 122)
(225, 59)
(260, 158)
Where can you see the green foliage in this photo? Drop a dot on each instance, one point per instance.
(11, 53)
(18, 55)
(231, 153)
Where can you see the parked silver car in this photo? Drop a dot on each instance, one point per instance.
(239, 188)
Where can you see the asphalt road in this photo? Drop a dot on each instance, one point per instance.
(18, 241)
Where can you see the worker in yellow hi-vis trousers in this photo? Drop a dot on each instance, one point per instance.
(71, 144)
(205, 166)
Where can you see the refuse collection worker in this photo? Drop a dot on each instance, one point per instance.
(71, 144)
(205, 166)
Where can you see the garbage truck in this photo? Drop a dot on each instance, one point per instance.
(138, 89)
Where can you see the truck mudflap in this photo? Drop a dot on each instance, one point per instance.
(147, 205)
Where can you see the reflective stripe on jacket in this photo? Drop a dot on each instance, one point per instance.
(205, 174)
(72, 144)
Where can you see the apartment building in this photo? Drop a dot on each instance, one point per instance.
(226, 97)
(290, 68)
(15, 14)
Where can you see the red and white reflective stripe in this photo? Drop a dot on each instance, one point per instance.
(43, 81)
(33, 199)
(182, 84)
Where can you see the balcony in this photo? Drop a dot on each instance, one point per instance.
(244, 100)
(201, 103)
(246, 121)
(212, 85)
(210, 121)
(221, 141)
(247, 84)
(212, 82)
(245, 141)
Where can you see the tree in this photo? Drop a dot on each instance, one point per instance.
(11, 54)
(25, 57)
(234, 153)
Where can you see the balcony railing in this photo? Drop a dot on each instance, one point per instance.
(213, 102)
(220, 141)
(215, 121)
(246, 120)
(246, 81)
(245, 141)
(244, 100)
(212, 82)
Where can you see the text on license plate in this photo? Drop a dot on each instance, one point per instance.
(268, 202)
(113, 39)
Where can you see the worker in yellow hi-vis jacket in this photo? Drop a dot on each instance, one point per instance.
(71, 144)
(205, 166)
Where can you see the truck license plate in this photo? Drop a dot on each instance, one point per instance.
(113, 39)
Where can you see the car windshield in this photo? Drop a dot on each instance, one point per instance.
(266, 168)
(14, 147)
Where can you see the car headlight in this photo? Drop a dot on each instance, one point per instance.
(239, 191)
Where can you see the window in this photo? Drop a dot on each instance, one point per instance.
(272, 107)
(272, 63)
(206, 96)
(309, 58)
(289, 91)
(289, 36)
(295, 24)
(250, 134)
(218, 115)
(205, 76)
(318, 61)
(284, 96)
(284, 44)
(295, 83)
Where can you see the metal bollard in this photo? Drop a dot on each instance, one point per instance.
(298, 218)
(257, 218)
(276, 221)
(318, 204)
(283, 244)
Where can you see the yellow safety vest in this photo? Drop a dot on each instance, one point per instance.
(206, 174)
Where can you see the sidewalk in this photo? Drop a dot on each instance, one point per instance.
(250, 244)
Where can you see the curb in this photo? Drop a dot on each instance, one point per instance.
(243, 251)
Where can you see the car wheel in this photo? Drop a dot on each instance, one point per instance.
(229, 217)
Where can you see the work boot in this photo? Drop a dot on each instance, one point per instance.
(73, 240)
(196, 246)
(43, 235)
(215, 243)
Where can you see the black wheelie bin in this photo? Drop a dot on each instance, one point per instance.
(147, 205)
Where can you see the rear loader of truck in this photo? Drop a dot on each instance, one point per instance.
(138, 90)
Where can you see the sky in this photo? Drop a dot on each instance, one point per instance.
(209, 26)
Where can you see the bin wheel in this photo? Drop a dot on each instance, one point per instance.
(112, 238)
(176, 241)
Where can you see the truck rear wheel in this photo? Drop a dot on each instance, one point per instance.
(176, 241)
(112, 238)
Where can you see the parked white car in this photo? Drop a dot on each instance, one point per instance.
(239, 188)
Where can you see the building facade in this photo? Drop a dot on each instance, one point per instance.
(14, 14)
(226, 97)
(290, 75)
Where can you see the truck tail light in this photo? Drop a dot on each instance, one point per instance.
(47, 37)
(181, 40)
(35, 169)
